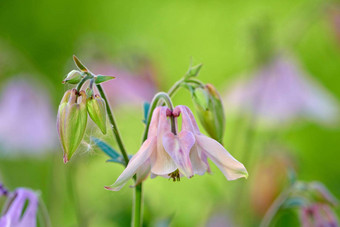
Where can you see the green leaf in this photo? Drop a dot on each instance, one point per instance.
(294, 202)
(107, 149)
(146, 108)
(100, 78)
(120, 159)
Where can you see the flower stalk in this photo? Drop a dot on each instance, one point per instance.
(114, 125)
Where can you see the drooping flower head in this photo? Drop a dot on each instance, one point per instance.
(170, 154)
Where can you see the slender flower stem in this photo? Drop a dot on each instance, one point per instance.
(138, 206)
(81, 83)
(274, 208)
(114, 125)
(175, 87)
(44, 213)
(136, 220)
(178, 84)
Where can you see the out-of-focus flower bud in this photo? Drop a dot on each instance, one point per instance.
(210, 111)
(193, 71)
(97, 111)
(71, 121)
(100, 78)
(73, 77)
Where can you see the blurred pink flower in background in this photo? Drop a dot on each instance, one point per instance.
(281, 92)
(26, 118)
(128, 88)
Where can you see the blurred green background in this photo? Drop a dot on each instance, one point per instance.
(38, 38)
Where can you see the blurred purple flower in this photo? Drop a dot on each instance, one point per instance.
(281, 92)
(26, 118)
(131, 89)
(17, 214)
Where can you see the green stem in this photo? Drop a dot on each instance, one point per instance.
(138, 206)
(175, 87)
(44, 213)
(274, 208)
(81, 83)
(138, 193)
(178, 84)
(114, 125)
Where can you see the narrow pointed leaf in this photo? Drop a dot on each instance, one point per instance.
(107, 149)
(100, 78)
(146, 108)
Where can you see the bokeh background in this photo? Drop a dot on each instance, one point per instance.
(148, 46)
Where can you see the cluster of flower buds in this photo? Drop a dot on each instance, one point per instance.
(74, 107)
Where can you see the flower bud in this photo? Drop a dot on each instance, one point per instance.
(71, 122)
(97, 111)
(210, 111)
(73, 77)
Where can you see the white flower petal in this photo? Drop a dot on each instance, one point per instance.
(230, 167)
(178, 147)
(198, 165)
(139, 159)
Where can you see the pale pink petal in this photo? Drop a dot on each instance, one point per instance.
(143, 172)
(139, 159)
(198, 165)
(230, 167)
(188, 120)
(161, 162)
(154, 122)
(178, 147)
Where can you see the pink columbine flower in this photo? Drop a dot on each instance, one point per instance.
(17, 214)
(184, 154)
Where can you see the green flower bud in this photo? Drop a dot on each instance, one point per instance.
(193, 71)
(97, 111)
(73, 77)
(210, 111)
(71, 122)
